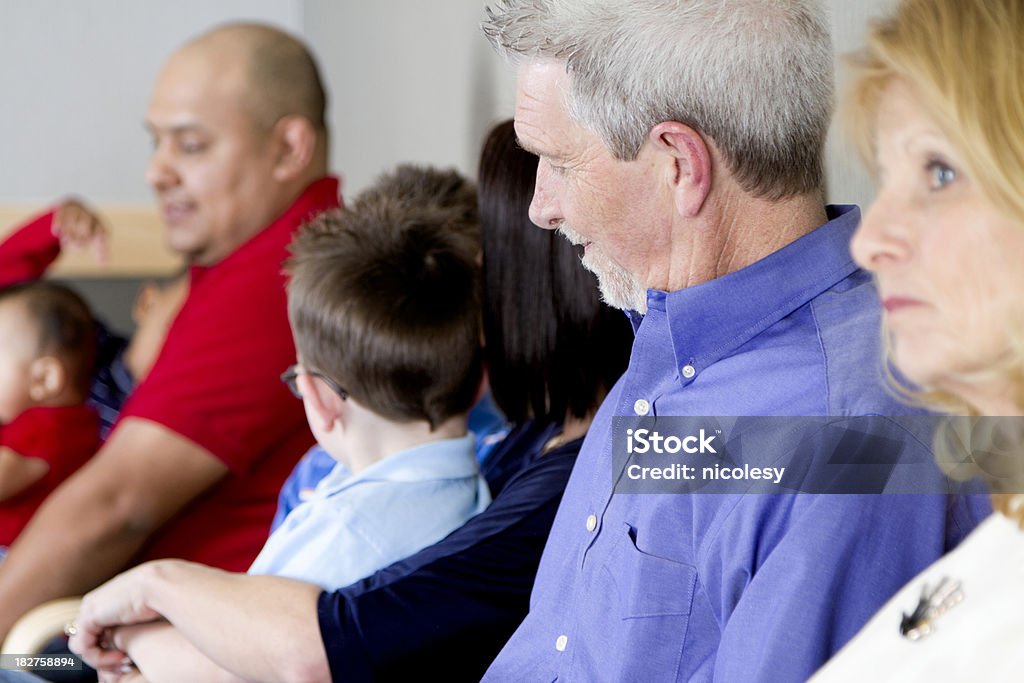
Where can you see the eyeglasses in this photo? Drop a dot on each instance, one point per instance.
(290, 376)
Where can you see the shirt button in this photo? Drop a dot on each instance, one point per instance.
(641, 407)
(561, 643)
(688, 371)
(591, 522)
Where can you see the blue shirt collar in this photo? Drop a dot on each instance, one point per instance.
(711, 320)
(453, 458)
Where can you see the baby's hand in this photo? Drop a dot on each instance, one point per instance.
(79, 227)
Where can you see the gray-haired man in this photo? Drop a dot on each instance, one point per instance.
(680, 144)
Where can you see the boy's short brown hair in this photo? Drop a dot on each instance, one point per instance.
(384, 298)
(65, 326)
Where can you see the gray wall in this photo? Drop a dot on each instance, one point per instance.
(409, 81)
(848, 183)
(75, 78)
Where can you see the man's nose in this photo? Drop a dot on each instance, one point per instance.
(545, 210)
(160, 173)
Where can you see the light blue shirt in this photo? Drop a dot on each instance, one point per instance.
(486, 421)
(355, 524)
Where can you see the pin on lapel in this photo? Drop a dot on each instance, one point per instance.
(932, 605)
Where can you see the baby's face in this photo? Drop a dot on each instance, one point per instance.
(17, 351)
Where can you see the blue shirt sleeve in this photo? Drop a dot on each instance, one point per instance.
(804, 573)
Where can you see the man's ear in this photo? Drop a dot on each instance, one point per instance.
(323, 405)
(691, 182)
(47, 379)
(296, 140)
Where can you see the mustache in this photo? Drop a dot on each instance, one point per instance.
(566, 231)
(574, 238)
(577, 241)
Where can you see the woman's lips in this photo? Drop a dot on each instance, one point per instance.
(892, 304)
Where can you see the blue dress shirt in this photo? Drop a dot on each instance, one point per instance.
(745, 588)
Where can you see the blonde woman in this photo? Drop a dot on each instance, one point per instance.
(938, 109)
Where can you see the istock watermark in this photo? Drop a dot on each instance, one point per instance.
(822, 454)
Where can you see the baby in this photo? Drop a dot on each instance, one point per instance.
(47, 356)
(58, 365)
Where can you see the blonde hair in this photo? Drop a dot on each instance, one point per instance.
(964, 61)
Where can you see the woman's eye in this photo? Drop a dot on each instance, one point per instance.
(939, 175)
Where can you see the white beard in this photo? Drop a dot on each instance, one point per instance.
(619, 288)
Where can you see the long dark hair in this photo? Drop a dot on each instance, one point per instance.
(552, 347)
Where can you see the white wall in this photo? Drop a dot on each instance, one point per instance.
(848, 183)
(410, 80)
(75, 78)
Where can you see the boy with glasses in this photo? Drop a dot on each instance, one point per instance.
(384, 303)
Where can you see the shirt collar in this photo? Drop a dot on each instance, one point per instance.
(442, 459)
(710, 320)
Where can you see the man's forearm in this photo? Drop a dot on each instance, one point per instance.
(73, 543)
(91, 527)
(257, 627)
(162, 655)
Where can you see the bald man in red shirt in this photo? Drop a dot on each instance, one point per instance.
(193, 467)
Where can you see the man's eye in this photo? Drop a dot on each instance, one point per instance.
(192, 147)
(940, 174)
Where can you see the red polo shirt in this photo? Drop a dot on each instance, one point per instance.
(216, 383)
(64, 438)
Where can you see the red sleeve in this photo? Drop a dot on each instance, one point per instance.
(62, 437)
(216, 381)
(27, 436)
(29, 250)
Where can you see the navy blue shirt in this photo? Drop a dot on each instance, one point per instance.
(449, 608)
(112, 381)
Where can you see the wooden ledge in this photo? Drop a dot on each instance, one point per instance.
(137, 247)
